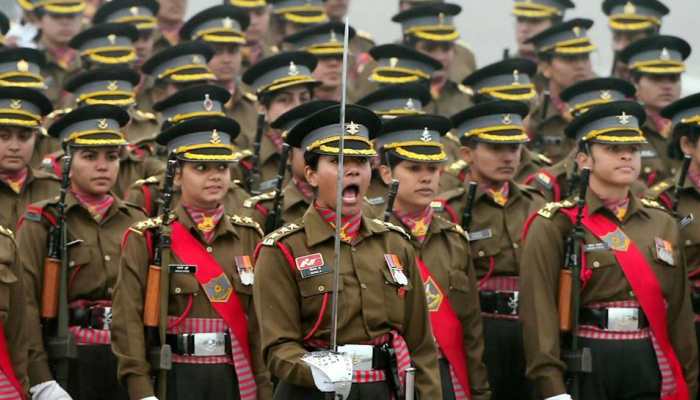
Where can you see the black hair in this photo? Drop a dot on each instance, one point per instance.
(691, 131)
(311, 159)
(389, 158)
(468, 141)
(266, 98)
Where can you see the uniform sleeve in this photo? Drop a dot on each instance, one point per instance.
(680, 322)
(276, 299)
(262, 376)
(543, 257)
(419, 336)
(128, 341)
(15, 324)
(31, 244)
(474, 339)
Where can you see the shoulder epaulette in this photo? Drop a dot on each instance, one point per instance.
(41, 174)
(141, 227)
(281, 232)
(452, 194)
(458, 228)
(145, 115)
(550, 209)
(652, 204)
(465, 89)
(242, 154)
(39, 211)
(7, 232)
(661, 186)
(393, 227)
(364, 35)
(456, 167)
(250, 97)
(451, 136)
(543, 159)
(274, 49)
(59, 112)
(252, 201)
(150, 181)
(246, 221)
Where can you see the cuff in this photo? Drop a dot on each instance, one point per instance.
(551, 384)
(139, 387)
(39, 372)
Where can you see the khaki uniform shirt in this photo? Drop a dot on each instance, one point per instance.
(146, 194)
(234, 236)
(445, 252)
(453, 98)
(371, 304)
(241, 107)
(93, 262)
(463, 64)
(545, 252)
(656, 163)
(38, 186)
(495, 231)
(43, 146)
(547, 134)
(13, 306)
(294, 205)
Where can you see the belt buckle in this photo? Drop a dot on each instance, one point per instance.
(361, 355)
(209, 344)
(623, 319)
(106, 318)
(513, 303)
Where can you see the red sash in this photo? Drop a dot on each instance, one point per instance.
(6, 364)
(647, 290)
(448, 333)
(209, 272)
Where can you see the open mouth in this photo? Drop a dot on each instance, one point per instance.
(351, 193)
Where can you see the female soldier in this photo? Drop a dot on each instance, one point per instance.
(95, 220)
(380, 305)
(411, 150)
(210, 325)
(635, 314)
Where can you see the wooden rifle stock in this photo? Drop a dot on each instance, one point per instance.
(50, 287)
(151, 304)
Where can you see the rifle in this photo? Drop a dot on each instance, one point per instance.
(545, 104)
(469, 205)
(253, 178)
(274, 220)
(681, 182)
(157, 282)
(578, 360)
(506, 53)
(60, 345)
(390, 198)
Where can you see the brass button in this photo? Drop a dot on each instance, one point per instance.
(363, 286)
(647, 170)
(209, 249)
(481, 253)
(71, 264)
(178, 290)
(515, 245)
(688, 242)
(631, 293)
(108, 258)
(321, 288)
(596, 264)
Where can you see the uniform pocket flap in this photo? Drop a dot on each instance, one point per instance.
(79, 255)
(459, 281)
(183, 283)
(6, 275)
(319, 284)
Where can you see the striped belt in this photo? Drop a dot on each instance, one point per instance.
(91, 321)
(209, 344)
(371, 362)
(208, 332)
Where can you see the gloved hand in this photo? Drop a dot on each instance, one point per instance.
(564, 396)
(150, 398)
(49, 390)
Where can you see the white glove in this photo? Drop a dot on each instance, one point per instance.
(150, 398)
(564, 396)
(49, 390)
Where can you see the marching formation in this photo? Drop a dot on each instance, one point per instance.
(260, 202)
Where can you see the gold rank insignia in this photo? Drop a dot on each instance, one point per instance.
(218, 289)
(215, 138)
(352, 128)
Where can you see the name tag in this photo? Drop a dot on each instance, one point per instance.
(182, 269)
(480, 235)
(593, 247)
(267, 185)
(375, 201)
(648, 153)
(311, 265)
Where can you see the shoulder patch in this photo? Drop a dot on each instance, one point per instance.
(7, 232)
(543, 159)
(465, 89)
(250, 97)
(280, 233)
(550, 209)
(393, 227)
(252, 201)
(247, 222)
(652, 204)
(456, 167)
(143, 226)
(57, 113)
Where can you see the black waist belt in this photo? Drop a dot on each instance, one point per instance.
(504, 303)
(614, 319)
(94, 317)
(200, 344)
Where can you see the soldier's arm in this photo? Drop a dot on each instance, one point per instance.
(262, 376)
(543, 258)
(418, 334)
(14, 325)
(31, 245)
(473, 330)
(128, 341)
(681, 319)
(277, 303)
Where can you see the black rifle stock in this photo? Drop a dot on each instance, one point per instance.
(274, 219)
